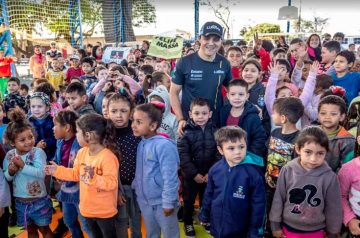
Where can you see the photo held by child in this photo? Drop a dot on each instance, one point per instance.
(198, 152)
(96, 168)
(234, 200)
(307, 200)
(120, 108)
(332, 112)
(156, 180)
(24, 166)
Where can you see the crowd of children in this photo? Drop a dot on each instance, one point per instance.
(279, 158)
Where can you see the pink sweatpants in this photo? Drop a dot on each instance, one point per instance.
(316, 234)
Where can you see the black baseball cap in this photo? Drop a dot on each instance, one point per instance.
(211, 28)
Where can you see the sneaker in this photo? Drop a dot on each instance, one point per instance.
(189, 231)
(207, 228)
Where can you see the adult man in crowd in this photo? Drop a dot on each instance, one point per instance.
(52, 53)
(201, 75)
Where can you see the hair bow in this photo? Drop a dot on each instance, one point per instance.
(338, 90)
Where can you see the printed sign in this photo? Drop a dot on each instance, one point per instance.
(166, 47)
(115, 54)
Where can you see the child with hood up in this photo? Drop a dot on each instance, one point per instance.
(169, 124)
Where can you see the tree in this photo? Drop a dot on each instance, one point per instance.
(137, 13)
(27, 17)
(248, 32)
(143, 13)
(316, 25)
(222, 11)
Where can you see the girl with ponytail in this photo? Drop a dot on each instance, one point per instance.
(96, 167)
(24, 166)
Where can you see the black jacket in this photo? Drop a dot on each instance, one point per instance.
(197, 149)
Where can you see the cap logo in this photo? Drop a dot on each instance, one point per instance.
(213, 27)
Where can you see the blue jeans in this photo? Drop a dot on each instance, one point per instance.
(38, 212)
(71, 213)
(157, 223)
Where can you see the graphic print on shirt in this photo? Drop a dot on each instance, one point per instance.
(280, 153)
(298, 195)
(88, 174)
(33, 188)
(196, 75)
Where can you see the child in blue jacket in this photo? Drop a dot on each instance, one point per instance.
(156, 180)
(234, 202)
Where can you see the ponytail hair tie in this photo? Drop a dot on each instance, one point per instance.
(338, 90)
(158, 104)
